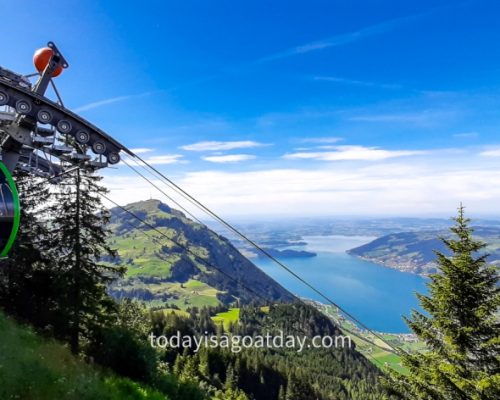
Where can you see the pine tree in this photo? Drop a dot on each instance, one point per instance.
(460, 328)
(79, 229)
(231, 378)
(26, 274)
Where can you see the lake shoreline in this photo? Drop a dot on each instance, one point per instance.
(377, 296)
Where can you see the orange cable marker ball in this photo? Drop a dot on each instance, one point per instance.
(41, 59)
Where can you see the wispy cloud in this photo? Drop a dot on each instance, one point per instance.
(165, 159)
(424, 117)
(229, 158)
(141, 150)
(466, 135)
(105, 102)
(221, 146)
(327, 139)
(354, 82)
(346, 153)
(495, 152)
(342, 39)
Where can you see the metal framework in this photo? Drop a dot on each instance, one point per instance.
(40, 136)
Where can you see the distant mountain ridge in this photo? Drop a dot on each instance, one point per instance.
(414, 251)
(164, 273)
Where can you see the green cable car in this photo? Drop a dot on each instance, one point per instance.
(9, 211)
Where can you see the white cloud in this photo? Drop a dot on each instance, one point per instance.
(490, 153)
(165, 159)
(229, 158)
(218, 146)
(343, 153)
(100, 103)
(141, 150)
(424, 117)
(341, 39)
(466, 135)
(329, 139)
(434, 184)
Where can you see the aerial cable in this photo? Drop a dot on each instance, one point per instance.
(266, 253)
(153, 172)
(162, 191)
(208, 264)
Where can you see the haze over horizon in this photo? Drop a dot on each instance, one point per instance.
(315, 110)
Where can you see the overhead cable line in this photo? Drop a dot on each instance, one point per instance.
(208, 264)
(162, 191)
(265, 252)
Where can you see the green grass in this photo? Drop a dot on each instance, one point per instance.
(32, 368)
(192, 283)
(227, 318)
(381, 358)
(143, 255)
(196, 301)
(192, 293)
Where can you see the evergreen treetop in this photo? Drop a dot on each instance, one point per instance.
(460, 326)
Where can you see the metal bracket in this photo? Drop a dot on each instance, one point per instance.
(56, 60)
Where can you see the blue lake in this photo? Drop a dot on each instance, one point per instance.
(376, 295)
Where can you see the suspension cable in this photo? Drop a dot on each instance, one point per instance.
(208, 264)
(162, 191)
(265, 252)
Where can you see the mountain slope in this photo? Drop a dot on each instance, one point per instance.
(40, 369)
(191, 270)
(414, 251)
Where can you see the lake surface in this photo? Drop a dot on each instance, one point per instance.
(376, 295)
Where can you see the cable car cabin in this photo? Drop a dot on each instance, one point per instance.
(9, 211)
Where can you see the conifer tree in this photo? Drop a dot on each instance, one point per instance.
(460, 327)
(25, 275)
(79, 229)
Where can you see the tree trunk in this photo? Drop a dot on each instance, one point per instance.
(75, 331)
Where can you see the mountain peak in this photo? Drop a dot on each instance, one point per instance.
(151, 207)
(182, 262)
(146, 204)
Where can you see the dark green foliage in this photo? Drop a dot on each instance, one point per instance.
(55, 280)
(35, 368)
(461, 327)
(26, 275)
(272, 374)
(119, 349)
(78, 227)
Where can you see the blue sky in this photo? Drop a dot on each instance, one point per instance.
(286, 107)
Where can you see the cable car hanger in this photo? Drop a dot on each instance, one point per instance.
(42, 137)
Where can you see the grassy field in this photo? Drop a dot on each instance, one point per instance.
(32, 368)
(144, 256)
(192, 293)
(227, 318)
(381, 358)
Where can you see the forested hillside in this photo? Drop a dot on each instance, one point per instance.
(269, 374)
(191, 269)
(415, 251)
(57, 277)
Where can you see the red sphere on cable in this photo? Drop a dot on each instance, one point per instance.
(41, 59)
